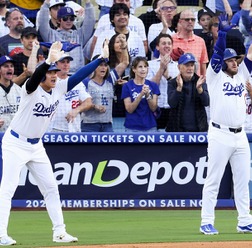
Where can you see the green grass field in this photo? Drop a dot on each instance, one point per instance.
(33, 228)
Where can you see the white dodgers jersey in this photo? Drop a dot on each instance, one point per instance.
(36, 110)
(9, 104)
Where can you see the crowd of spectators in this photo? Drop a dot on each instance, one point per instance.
(169, 45)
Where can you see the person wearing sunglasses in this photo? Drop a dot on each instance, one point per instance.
(65, 31)
(189, 42)
(167, 10)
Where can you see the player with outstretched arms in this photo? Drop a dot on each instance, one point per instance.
(22, 144)
(227, 139)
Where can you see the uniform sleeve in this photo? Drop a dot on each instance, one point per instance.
(82, 73)
(217, 58)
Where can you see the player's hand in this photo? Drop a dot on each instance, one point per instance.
(55, 52)
(224, 24)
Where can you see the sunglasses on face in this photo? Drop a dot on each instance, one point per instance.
(168, 8)
(66, 18)
(216, 25)
(188, 19)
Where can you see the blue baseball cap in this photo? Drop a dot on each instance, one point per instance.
(186, 58)
(230, 53)
(53, 67)
(5, 59)
(65, 11)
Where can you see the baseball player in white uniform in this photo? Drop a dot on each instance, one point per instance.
(227, 140)
(9, 93)
(22, 144)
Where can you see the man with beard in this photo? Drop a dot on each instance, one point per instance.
(4, 4)
(227, 139)
(9, 93)
(15, 22)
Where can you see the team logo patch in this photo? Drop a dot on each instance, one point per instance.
(231, 90)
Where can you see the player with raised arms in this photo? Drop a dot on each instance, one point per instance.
(227, 139)
(22, 144)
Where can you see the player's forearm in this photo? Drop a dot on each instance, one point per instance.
(82, 73)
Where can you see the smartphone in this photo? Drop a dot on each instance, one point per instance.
(126, 78)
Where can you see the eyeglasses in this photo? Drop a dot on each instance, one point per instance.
(188, 19)
(168, 8)
(216, 25)
(66, 18)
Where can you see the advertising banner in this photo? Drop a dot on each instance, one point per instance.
(125, 171)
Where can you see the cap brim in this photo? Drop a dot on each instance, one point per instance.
(8, 61)
(54, 69)
(188, 61)
(66, 57)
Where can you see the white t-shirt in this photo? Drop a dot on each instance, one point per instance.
(135, 44)
(163, 86)
(135, 24)
(154, 30)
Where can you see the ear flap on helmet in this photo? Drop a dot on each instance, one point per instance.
(224, 66)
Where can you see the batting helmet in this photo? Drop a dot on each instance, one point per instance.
(229, 53)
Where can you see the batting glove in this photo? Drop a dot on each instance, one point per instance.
(55, 52)
(224, 25)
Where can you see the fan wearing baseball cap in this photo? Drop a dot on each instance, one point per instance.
(29, 52)
(54, 6)
(9, 92)
(187, 97)
(65, 31)
(67, 118)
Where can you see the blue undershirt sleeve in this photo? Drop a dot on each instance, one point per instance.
(82, 73)
(219, 48)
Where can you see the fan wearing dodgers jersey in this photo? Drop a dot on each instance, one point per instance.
(227, 139)
(9, 92)
(22, 144)
(67, 118)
